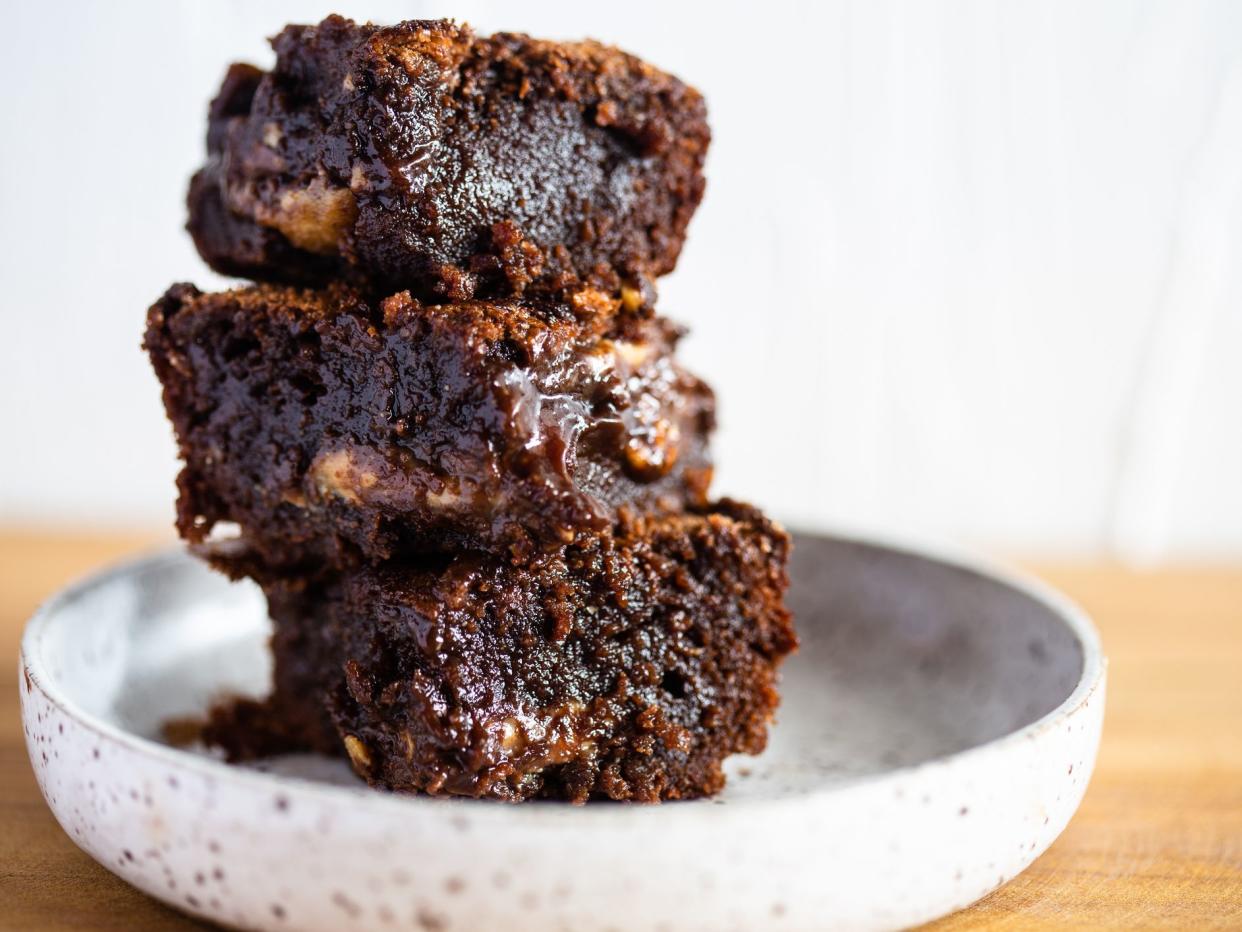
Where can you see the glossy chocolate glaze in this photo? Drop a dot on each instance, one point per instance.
(423, 157)
(331, 429)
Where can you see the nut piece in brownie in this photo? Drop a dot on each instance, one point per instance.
(626, 666)
(423, 157)
(329, 427)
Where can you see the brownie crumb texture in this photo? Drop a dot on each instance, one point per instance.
(424, 157)
(625, 667)
(333, 430)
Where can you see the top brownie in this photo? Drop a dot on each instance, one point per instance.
(423, 157)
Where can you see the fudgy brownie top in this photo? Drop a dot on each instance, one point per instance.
(625, 666)
(422, 156)
(329, 426)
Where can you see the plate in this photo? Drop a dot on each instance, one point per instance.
(937, 731)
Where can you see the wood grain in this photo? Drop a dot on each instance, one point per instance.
(46, 882)
(1158, 840)
(1157, 843)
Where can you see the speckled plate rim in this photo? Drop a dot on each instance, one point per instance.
(1092, 677)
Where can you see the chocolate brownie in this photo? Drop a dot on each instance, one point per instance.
(329, 427)
(423, 157)
(624, 666)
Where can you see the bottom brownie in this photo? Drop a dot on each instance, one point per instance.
(625, 667)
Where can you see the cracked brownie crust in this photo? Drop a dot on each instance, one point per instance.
(423, 157)
(330, 428)
(627, 666)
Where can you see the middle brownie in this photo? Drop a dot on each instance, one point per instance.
(328, 426)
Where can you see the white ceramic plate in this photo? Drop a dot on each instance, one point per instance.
(938, 730)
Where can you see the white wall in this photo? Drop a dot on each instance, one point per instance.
(967, 270)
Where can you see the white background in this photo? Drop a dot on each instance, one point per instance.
(968, 271)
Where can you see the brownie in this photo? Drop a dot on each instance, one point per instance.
(423, 157)
(624, 666)
(331, 428)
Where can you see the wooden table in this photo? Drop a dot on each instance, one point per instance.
(1158, 841)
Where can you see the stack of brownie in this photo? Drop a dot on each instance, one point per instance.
(447, 432)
